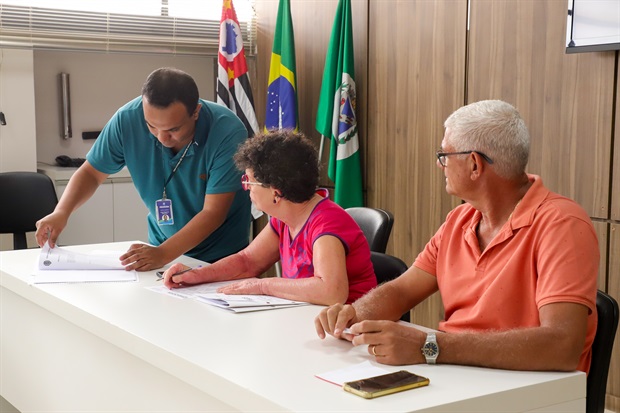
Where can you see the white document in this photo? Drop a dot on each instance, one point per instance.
(190, 292)
(235, 301)
(63, 259)
(59, 265)
(352, 373)
(207, 293)
(247, 303)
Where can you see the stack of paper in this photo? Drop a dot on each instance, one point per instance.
(244, 303)
(207, 293)
(59, 265)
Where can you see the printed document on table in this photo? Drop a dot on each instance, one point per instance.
(190, 292)
(240, 301)
(60, 265)
(207, 293)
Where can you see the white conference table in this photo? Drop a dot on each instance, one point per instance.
(118, 347)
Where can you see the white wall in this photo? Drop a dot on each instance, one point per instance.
(18, 136)
(99, 84)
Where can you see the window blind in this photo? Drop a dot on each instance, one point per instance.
(53, 29)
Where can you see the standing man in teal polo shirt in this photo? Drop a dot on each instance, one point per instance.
(179, 150)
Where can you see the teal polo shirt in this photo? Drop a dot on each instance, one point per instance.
(208, 168)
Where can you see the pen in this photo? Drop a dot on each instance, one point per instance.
(183, 271)
(348, 331)
(160, 274)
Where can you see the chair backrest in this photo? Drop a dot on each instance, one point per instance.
(607, 309)
(376, 224)
(26, 198)
(387, 267)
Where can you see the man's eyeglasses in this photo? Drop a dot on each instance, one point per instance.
(441, 156)
(245, 182)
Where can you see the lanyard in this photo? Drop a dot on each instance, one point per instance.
(176, 167)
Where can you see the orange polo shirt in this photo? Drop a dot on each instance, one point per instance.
(546, 253)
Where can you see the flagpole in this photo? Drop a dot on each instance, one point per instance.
(321, 148)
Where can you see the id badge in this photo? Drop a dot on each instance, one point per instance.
(163, 208)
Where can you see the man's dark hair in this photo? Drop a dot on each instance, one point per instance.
(167, 85)
(284, 160)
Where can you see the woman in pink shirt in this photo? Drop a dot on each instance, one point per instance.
(324, 255)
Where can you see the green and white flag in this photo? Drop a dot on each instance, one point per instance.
(336, 112)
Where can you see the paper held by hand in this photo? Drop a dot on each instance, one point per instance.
(59, 258)
(61, 265)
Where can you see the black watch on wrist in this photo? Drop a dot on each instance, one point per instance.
(430, 349)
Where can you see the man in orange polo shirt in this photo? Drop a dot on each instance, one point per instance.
(516, 265)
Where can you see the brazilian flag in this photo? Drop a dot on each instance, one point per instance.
(282, 89)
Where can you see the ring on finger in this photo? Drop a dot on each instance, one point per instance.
(373, 350)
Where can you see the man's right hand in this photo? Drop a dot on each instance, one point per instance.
(333, 320)
(49, 228)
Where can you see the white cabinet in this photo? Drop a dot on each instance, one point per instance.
(92, 222)
(115, 212)
(129, 213)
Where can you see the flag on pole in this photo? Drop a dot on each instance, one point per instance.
(233, 83)
(282, 89)
(336, 118)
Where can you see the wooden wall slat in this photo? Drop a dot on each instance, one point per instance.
(416, 79)
(615, 187)
(602, 232)
(613, 289)
(517, 54)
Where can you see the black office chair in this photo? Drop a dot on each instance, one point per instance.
(607, 308)
(387, 267)
(26, 198)
(376, 224)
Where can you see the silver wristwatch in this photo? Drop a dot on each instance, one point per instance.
(430, 349)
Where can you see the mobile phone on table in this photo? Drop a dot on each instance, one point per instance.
(377, 386)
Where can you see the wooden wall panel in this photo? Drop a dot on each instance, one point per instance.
(517, 54)
(416, 79)
(613, 282)
(613, 289)
(602, 232)
(615, 187)
(417, 66)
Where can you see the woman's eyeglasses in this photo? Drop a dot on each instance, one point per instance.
(245, 182)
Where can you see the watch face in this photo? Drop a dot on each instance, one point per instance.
(430, 349)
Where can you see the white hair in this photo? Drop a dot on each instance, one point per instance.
(494, 128)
